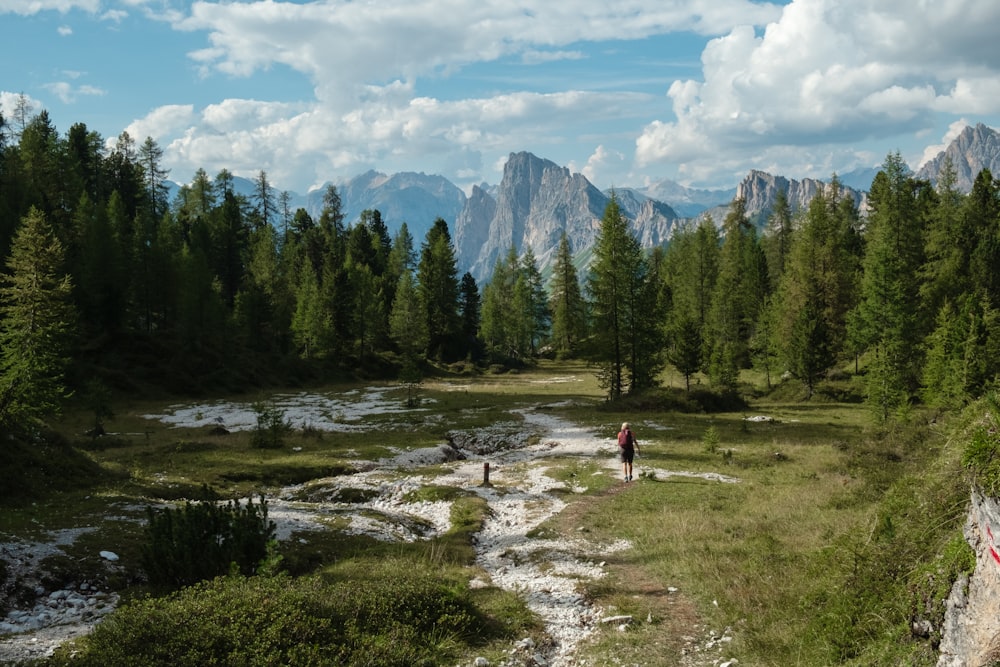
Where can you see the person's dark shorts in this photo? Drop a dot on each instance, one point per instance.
(626, 455)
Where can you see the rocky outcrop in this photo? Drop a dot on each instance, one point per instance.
(759, 190)
(971, 633)
(536, 201)
(975, 149)
(414, 198)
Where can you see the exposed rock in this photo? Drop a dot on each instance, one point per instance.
(760, 189)
(975, 149)
(971, 632)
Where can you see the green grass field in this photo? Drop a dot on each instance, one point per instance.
(816, 556)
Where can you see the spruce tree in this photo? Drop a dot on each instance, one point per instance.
(569, 324)
(437, 277)
(625, 343)
(37, 319)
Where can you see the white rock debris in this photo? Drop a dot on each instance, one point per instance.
(545, 571)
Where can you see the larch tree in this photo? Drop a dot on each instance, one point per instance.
(737, 299)
(155, 176)
(37, 319)
(886, 320)
(691, 267)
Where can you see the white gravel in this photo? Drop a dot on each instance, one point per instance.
(546, 571)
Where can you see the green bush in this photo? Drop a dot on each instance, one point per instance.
(406, 619)
(205, 540)
(271, 428)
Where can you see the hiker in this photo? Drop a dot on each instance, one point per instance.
(627, 448)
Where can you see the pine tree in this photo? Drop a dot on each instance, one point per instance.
(437, 278)
(569, 312)
(469, 313)
(151, 160)
(620, 300)
(37, 319)
(737, 298)
(408, 329)
(887, 319)
(691, 268)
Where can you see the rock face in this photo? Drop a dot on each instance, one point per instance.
(759, 189)
(416, 199)
(971, 633)
(975, 149)
(535, 202)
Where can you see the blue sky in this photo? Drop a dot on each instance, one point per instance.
(627, 92)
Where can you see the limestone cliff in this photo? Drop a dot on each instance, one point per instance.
(974, 149)
(971, 633)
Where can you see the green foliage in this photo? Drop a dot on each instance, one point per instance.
(394, 616)
(982, 454)
(271, 427)
(205, 540)
(626, 342)
(711, 439)
(36, 320)
(569, 311)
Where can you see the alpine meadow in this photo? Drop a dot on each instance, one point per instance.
(309, 438)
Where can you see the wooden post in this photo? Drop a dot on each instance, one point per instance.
(486, 473)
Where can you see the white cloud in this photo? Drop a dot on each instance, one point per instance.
(159, 123)
(826, 73)
(30, 7)
(954, 130)
(64, 30)
(600, 162)
(68, 93)
(535, 57)
(9, 102)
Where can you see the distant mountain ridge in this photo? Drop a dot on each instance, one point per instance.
(974, 149)
(536, 200)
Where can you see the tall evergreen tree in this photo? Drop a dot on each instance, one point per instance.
(469, 311)
(779, 239)
(817, 290)
(691, 268)
(437, 277)
(737, 298)
(151, 161)
(37, 318)
(568, 308)
(887, 318)
(620, 293)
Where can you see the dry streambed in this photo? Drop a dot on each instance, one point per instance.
(545, 571)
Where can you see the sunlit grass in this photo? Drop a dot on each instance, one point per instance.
(759, 556)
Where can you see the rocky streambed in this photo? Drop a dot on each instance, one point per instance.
(546, 571)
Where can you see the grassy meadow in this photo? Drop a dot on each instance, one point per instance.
(835, 537)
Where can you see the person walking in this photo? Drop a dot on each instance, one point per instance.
(627, 448)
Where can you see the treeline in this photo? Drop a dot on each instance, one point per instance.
(104, 277)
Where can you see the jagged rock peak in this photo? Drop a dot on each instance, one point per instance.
(974, 149)
(759, 190)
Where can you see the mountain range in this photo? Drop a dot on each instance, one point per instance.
(536, 200)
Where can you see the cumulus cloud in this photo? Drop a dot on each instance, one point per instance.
(827, 73)
(364, 62)
(30, 7)
(954, 130)
(600, 162)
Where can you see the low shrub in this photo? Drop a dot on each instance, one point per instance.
(407, 618)
(271, 428)
(205, 540)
